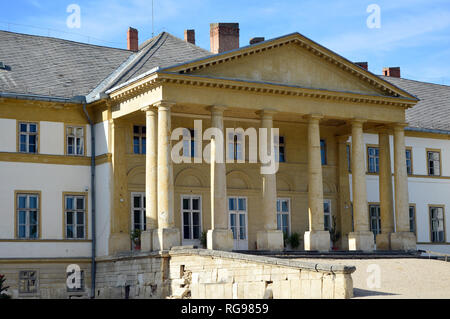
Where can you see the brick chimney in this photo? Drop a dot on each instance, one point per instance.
(132, 39)
(392, 72)
(189, 36)
(364, 65)
(256, 40)
(224, 37)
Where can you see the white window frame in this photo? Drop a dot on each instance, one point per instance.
(328, 215)
(78, 146)
(378, 219)
(376, 159)
(142, 210)
(440, 222)
(34, 278)
(28, 134)
(434, 161)
(191, 240)
(237, 212)
(279, 202)
(235, 142)
(27, 211)
(75, 212)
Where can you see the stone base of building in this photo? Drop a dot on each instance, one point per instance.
(147, 240)
(220, 239)
(317, 240)
(166, 238)
(362, 240)
(403, 241)
(270, 240)
(119, 242)
(383, 241)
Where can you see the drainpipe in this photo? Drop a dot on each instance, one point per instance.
(93, 264)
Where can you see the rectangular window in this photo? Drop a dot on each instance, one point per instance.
(280, 149)
(283, 212)
(437, 224)
(75, 216)
(235, 146)
(434, 163)
(323, 152)
(373, 158)
(27, 216)
(412, 219)
(375, 219)
(75, 140)
(81, 287)
(138, 216)
(191, 215)
(28, 282)
(349, 158)
(327, 214)
(409, 167)
(189, 146)
(139, 140)
(28, 137)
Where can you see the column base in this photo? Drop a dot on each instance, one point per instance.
(362, 240)
(119, 242)
(271, 240)
(147, 240)
(220, 239)
(317, 240)
(403, 241)
(383, 241)
(166, 238)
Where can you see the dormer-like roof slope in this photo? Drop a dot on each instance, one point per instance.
(54, 67)
(433, 109)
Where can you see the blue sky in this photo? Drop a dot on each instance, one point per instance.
(414, 34)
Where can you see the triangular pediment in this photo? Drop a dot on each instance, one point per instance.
(292, 61)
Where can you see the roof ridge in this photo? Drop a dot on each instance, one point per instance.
(64, 40)
(423, 82)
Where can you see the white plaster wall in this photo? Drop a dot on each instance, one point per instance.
(103, 207)
(8, 142)
(101, 138)
(52, 181)
(51, 137)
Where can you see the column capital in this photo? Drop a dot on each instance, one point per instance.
(217, 109)
(399, 126)
(266, 113)
(358, 122)
(149, 108)
(164, 104)
(314, 117)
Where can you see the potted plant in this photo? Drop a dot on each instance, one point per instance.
(136, 239)
(294, 240)
(334, 234)
(3, 288)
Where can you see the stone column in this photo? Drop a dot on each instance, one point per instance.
(361, 238)
(402, 239)
(345, 214)
(385, 185)
(166, 236)
(219, 237)
(270, 238)
(316, 238)
(151, 174)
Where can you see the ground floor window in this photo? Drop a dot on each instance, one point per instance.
(237, 210)
(75, 216)
(437, 224)
(327, 214)
(283, 215)
(139, 220)
(412, 219)
(375, 220)
(28, 281)
(28, 216)
(191, 216)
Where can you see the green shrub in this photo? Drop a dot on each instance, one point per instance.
(203, 239)
(3, 288)
(294, 240)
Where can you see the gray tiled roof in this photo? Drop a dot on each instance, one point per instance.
(433, 109)
(54, 67)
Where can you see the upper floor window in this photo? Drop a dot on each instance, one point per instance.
(75, 140)
(373, 159)
(434, 163)
(437, 224)
(409, 161)
(235, 146)
(27, 216)
(323, 151)
(28, 137)
(189, 146)
(75, 216)
(283, 211)
(280, 149)
(349, 157)
(139, 141)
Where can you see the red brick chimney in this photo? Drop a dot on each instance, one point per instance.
(189, 36)
(224, 37)
(364, 65)
(132, 39)
(392, 72)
